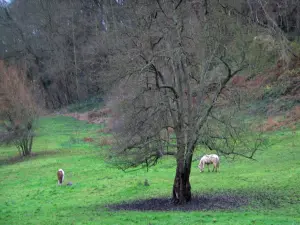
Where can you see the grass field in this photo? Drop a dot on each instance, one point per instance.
(29, 193)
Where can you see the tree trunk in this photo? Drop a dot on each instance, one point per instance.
(75, 58)
(182, 187)
(25, 145)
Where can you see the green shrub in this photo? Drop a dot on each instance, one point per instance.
(295, 45)
(274, 91)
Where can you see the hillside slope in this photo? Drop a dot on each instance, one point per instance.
(29, 193)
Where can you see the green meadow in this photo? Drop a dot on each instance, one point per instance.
(29, 193)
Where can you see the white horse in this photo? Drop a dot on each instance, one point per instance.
(209, 159)
(60, 176)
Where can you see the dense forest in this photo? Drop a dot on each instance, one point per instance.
(69, 49)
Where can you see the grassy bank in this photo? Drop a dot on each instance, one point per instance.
(29, 193)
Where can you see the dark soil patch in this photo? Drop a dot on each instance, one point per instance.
(198, 203)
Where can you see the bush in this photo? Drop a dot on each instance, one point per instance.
(18, 110)
(296, 48)
(274, 91)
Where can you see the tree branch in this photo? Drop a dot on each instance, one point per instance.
(158, 74)
(178, 4)
(203, 119)
(156, 43)
(159, 5)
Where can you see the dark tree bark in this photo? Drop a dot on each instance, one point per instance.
(182, 187)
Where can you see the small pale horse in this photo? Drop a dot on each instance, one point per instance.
(209, 159)
(60, 176)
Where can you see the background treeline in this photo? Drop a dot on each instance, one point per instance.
(68, 48)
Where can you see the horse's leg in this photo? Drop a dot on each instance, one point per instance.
(215, 167)
(201, 165)
(208, 167)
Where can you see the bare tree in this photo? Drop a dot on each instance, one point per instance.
(175, 66)
(18, 110)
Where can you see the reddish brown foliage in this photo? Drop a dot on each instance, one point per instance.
(100, 113)
(16, 98)
(289, 120)
(239, 80)
(88, 139)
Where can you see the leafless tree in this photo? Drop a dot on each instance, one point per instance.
(175, 64)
